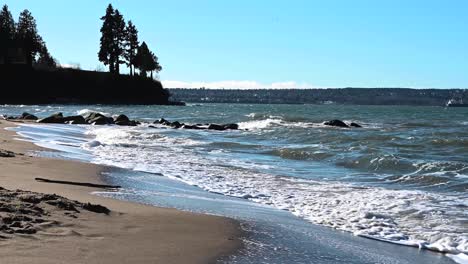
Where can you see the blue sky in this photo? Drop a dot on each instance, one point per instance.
(268, 43)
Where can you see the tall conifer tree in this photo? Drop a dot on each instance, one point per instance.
(7, 33)
(146, 61)
(107, 39)
(132, 45)
(118, 46)
(27, 36)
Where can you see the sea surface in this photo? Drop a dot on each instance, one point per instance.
(311, 193)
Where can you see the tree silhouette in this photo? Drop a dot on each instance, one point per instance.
(107, 39)
(7, 33)
(27, 37)
(146, 61)
(154, 66)
(119, 41)
(132, 45)
(112, 39)
(45, 59)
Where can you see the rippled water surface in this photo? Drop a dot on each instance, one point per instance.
(402, 178)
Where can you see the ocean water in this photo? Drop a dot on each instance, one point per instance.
(402, 178)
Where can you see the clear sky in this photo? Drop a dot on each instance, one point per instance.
(269, 43)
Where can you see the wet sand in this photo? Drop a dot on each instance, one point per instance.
(128, 233)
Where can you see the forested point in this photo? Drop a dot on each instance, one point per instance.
(31, 75)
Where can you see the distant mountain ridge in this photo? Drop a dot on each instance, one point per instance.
(345, 96)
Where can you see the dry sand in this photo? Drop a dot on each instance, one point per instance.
(130, 233)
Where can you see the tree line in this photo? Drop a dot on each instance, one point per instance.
(22, 37)
(119, 44)
(343, 96)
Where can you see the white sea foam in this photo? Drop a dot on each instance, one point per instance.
(271, 121)
(460, 258)
(85, 112)
(259, 124)
(276, 121)
(428, 220)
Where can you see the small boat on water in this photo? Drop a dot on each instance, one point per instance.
(456, 103)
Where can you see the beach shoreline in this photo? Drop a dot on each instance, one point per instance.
(131, 233)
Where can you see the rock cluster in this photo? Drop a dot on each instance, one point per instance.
(91, 119)
(177, 124)
(339, 123)
(24, 116)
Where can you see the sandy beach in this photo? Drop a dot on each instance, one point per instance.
(58, 230)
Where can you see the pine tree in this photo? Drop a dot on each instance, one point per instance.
(154, 65)
(27, 36)
(132, 45)
(7, 33)
(112, 39)
(141, 59)
(119, 41)
(146, 61)
(45, 59)
(107, 39)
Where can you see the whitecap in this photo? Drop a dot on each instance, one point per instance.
(85, 112)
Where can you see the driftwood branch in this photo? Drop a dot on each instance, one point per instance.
(87, 184)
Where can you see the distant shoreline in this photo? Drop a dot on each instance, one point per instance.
(338, 96)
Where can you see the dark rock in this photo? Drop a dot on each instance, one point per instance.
(162, 121)
(336, 123)
(216, 127)
(28, 116)
(123, 120)
(231, 126)
(196, 127)
(355, 125)
(176, 124)
(99, 119)
(75, 120)
(53, 119)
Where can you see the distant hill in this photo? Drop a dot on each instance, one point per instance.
(21, 84)
(346, 96)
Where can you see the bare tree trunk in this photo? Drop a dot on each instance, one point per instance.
(111, 66)
(151, 74)
(117, 67)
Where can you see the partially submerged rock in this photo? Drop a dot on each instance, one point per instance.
(75, 120)
(28, 116)
(93, 118)
(336, 123)
(56, 118)
(339, 123)
(177, 124)
(99, 119)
